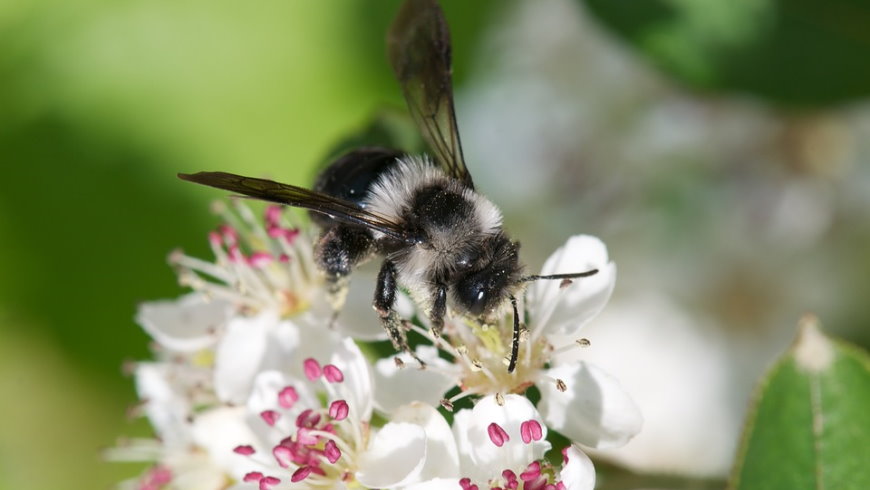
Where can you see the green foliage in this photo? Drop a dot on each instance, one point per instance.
(810, 425)
(792, 52)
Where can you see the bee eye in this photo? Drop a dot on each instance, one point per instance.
(473, 294)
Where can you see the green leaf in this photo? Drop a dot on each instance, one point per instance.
(810, 425)
(792, 52)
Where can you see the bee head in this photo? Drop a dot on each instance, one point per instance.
(494, 276)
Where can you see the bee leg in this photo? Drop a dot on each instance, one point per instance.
(439, 309)
(339, 249)
(384, 302)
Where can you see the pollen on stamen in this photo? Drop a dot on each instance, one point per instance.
(244, 450)
(273, 215)
(530, 430)
(312, 369)
(561, 386)
(533, 471)
(300, 474)
(399, 362)
(465, 484)
(260, 259)
(332, 452)
(308, 418)
(447, 404)
(270, 416)
(497, 434)
(268, 482)
(339, 410)
(305, 437)
(584, 342)
(510, 478)
(287, 397)
(283, 455)
(499, 399)
(333, 374)
(252, 476)
(229, 234)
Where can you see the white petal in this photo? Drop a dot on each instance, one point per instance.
(514, 453)
(563, 310)
(395, 386)
(357, 386)
(165, 408)
(578, 473)
(187, 324)
(463, 421)
(395, 456)
(283, 348)
(435, 484)
(240, 355)
(218, 431)
(442, 459)
(195, 471)
(267, 386)
(594, 410)
(357, 317)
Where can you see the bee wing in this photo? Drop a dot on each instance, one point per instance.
(268, 190)
(418, 44)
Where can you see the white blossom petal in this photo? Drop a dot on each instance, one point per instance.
(396, 386)
(463, 421)
(357, 385)
(514, 453)
(218, 431)
(435, 484)
(240, 355)
(594, 410)
(577, 473)
(442, 458)
(165, 408)
(188, 324)
(555, 309)
(357, 318)
(395, 456)
(195, 471)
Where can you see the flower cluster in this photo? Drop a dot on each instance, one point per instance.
(256, 385)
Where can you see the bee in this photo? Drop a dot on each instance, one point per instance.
(439, 238)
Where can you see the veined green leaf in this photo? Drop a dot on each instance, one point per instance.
(809, 427)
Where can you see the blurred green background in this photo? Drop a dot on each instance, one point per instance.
(102, 103)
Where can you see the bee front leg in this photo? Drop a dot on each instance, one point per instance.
(339, 249)
(439, 309)
(384, 303)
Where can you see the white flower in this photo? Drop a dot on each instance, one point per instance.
(316, 431)
(602, 414)
(183, 453)
(188, 324)
(258, 266)
(252, 388)
(502, 442)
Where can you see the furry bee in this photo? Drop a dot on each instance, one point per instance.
(439, 238)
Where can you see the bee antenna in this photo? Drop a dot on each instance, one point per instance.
(572, 275)
(515, 345)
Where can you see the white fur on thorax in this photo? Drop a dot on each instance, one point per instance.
(395, 190)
